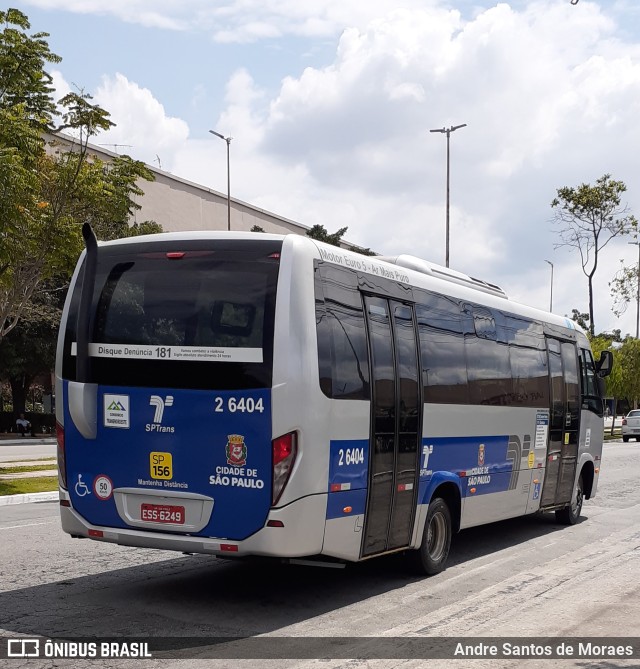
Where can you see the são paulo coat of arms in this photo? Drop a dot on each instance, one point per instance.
(236, 450)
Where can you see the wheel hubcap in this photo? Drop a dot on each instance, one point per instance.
(576, 507)
(436, 538)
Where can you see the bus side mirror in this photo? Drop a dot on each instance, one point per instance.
(605, 364)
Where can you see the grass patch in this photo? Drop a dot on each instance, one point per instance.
(26, 468)
(21, 486)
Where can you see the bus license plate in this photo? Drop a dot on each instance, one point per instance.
(162, 513)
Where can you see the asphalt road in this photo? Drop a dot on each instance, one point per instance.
(522, 578)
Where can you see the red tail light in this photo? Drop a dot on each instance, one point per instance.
(624, 421)
(284, 455)
(62, 461)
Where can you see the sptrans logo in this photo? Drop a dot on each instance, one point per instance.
(160, 405)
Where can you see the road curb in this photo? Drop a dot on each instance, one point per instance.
(29, 497)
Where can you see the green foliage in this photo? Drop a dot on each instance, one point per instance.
(582, 319)
(48, 190)
(320, 233)
(23, 80)
(591, 216)
(625, 288)
(624, 380)
(27, 485)
(627, 360)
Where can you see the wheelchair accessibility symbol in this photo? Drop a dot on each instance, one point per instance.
(81, 487)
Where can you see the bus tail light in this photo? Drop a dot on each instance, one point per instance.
(62, 461)
(284, 455)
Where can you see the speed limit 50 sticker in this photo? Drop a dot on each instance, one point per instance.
(103, 487)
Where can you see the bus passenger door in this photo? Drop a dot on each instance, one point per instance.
(395, 425)
(562, 453)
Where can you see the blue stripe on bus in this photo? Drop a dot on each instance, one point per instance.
(475, 465)
(338, 501)
(482, 464)
(348, 464)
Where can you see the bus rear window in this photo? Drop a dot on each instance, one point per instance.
(193, 318)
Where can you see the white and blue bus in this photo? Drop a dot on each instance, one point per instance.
(246, 394)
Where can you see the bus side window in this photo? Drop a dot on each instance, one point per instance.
(591, 399)
(342, 322)
(488, 365)
(444, 367)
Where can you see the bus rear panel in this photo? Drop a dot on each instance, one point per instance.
(171, 430)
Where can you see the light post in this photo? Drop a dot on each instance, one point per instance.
(228, 141)
(447, 132)
(637, 243)
(551, 291)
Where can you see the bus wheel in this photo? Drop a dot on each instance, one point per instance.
(570, 514)
(432, 555)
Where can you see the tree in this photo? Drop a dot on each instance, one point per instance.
(613, 382)
(625, 287)
(591, 216)
(320, 233)
(47, 193)
(581, 318)
(30, 349)
(627, 359)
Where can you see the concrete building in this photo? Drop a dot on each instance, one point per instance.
(177, 204)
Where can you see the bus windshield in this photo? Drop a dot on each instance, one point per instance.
(189, 315)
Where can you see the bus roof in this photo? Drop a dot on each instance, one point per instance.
(414, 271)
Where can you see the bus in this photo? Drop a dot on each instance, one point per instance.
(244, 394)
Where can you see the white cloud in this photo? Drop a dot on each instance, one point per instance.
(238, 21)
(551, 97)
(142, 127)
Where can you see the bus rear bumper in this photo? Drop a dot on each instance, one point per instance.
(301, 535)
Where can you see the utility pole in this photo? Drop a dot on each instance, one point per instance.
(551, 291)
(228, 141)
(447, 132)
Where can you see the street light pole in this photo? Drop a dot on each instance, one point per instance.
(228, 141)
(551, 292)
(637, 243)
(447, 132)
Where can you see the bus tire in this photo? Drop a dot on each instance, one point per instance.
(432, 555)
(570, 514)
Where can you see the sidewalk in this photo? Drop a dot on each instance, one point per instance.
(29, 497)
(12, 440)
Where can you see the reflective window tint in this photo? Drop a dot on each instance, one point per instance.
(590, 388)
(530, 376)
(342, 341)
(489, 371)
(407, 357)
(382, 364)
(570, 361)
(557, 383)
(217, 297)
(444, 367)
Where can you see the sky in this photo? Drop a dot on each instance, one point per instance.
(330, 105)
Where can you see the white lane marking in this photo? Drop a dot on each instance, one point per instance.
(13, 527)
